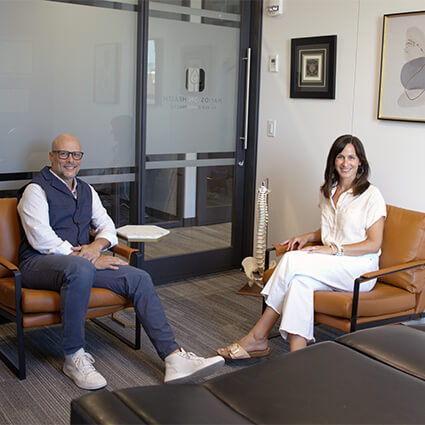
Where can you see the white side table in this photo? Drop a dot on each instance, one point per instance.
(142, 233)
(139, 233)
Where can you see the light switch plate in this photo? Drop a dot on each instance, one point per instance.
(274, 63)
(271, 128)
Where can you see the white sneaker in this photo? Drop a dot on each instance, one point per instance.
(182, 366)
(79, 367)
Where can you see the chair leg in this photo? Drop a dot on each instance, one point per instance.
(20, 370)
(135, 344)
(137, 336)
(21, 349)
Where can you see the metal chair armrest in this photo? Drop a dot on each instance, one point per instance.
(374, 275)
(267, 257)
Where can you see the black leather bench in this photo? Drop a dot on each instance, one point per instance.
(373, 376)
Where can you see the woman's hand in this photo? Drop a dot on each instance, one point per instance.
(297, 242)
(319, 249)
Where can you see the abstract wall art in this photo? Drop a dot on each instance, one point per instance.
(402, 81)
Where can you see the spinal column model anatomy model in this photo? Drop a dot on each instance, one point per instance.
(255, 264)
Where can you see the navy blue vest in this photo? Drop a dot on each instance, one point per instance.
(69, 217)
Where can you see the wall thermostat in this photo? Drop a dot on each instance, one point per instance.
(274, 7)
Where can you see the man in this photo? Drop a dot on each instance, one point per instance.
(57, 210)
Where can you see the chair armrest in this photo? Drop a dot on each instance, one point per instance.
(374, 275)
(123, 251)
(18, 285)
(391, 270)
(8, 265)
(280, 249)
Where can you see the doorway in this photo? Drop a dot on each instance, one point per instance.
(198, 162)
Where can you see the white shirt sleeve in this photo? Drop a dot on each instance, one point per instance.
(33, 211)
(101, 222)
(376, 207)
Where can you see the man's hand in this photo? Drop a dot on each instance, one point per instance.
(88, 252)
(108, 262)
(91, 251)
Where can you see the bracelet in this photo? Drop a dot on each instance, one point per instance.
(340, 250)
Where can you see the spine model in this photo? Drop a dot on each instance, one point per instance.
(263, 220)
(255, 264)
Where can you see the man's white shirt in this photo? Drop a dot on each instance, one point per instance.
(33, 211)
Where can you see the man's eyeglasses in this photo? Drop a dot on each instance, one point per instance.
(77, 155)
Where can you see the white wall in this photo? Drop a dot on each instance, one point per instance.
(294, 160)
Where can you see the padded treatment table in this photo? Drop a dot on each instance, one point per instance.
(373, 376)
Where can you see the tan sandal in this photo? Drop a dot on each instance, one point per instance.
(237, 352)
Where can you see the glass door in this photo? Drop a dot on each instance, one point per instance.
(194, 155)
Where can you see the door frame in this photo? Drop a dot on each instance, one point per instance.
(198, 263)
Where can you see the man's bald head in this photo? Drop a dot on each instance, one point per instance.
(63, 138)
(67, 168)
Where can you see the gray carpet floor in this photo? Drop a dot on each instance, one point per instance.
(205, 313)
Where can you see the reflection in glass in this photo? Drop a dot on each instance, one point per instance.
(193, 65)
(162, 195)
(196, 207)
(115, 198)
(220, 187)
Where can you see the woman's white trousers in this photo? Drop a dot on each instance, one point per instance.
(290, 289)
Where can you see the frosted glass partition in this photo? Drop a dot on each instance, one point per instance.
(192, 92)
(191, 135)
(66, 68)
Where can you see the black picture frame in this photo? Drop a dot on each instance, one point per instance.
(313, 67)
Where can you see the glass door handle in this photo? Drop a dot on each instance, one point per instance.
(247, 86)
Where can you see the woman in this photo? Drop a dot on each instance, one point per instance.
(347, 245)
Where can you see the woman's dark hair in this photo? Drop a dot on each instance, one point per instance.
(361, 182)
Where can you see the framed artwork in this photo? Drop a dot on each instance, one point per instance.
(313, 67)
(402, 81)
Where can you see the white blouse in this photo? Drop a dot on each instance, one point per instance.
(348, 220)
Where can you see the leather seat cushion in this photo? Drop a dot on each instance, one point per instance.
(399, 346)
(162, 404)
(383, 299)
(323, 383)
(187, 404)
(43, 301)
(99, 407)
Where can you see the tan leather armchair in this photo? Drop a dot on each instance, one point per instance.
(399, 294)
(37, 307)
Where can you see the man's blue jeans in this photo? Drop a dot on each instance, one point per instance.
(73, 277)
